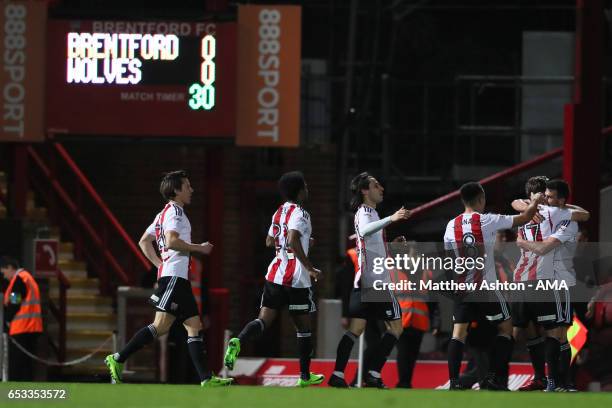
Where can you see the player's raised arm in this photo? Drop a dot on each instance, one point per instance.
(538, 248)
(147, 248)
(520, 204)
(579, 214)
(296, 246)
(528, 214)
(176, 244)
(375, 226)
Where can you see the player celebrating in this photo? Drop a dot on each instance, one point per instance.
(369, 228)
(559, 266)
(467, 235)
(288, 278)
(173, 298)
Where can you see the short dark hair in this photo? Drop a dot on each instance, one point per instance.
(7, 261)
(290, 184)
(560, 186)
(536, 184)
(470, 192)
(170, 182)
(358, 183)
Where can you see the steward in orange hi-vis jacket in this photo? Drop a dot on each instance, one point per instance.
(23, 315)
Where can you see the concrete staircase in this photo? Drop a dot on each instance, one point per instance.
(33, 212)
(90, 317)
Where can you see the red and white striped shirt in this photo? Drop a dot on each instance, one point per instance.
(472, 235)
(285, 269)
(171, 218)
(530, 266)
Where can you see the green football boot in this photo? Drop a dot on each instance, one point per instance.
(231, 354)
(115, 368)
(315, 379)
(215, 381)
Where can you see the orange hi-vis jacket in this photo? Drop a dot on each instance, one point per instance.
(415, 311)
(352, 253)
(29, 317)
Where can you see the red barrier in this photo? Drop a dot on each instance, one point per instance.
(427, 374)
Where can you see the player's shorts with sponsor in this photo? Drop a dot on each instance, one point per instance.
(383, 305)
(298, 300)
(173, 295)
(488, 305)
(546, 308)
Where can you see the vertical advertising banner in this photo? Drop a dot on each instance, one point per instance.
(269, 61)
(22, 49)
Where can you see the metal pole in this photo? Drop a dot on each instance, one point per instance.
(121, 315)
(582, 129)
(360, 360)
(226, 338)
(163, 359)
(3, 344)
(348, 93)
(5, 357)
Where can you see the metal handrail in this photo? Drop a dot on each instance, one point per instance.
(70, 204)
(60, 313)
(84, 181)
(487, 180)
(526, 165)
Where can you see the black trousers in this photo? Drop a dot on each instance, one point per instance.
(477, 367)
(21, 367)
(408, 347)
(372, 334)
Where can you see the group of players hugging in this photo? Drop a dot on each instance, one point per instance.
(547, 231)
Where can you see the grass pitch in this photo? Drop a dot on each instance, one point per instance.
(85, 395)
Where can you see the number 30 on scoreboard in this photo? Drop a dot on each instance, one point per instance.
(203, 94)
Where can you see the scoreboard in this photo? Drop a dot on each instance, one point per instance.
(141, 78)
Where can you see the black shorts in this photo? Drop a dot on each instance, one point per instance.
(173, 295)
(484, 305)
(380, 310)
(546, 308)
(277, 296)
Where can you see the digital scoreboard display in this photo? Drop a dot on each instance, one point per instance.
(130, 78)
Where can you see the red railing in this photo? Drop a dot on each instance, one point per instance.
(59, 311)
(79, 210)
(102, 205)
(504, 174)
(519, 168)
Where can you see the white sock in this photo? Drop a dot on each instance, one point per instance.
(339, 374)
